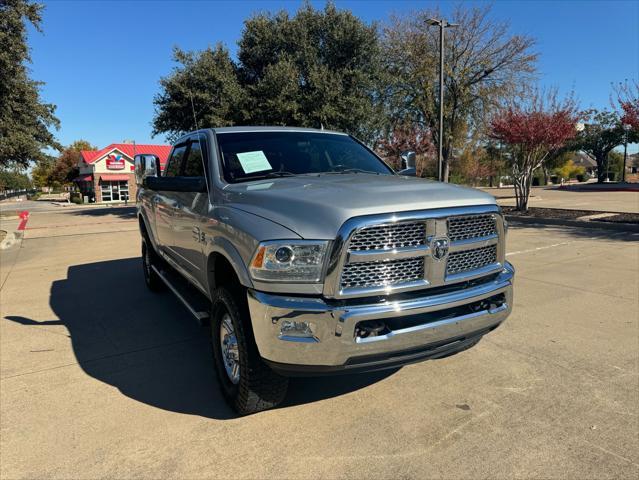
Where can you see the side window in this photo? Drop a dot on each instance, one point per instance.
(194, 166)
(175, 161)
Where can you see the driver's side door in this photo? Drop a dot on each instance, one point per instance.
(191, 217)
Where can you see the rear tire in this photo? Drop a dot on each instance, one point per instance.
(149, 259)
(247, 383)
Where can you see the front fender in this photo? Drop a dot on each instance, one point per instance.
(225, 248)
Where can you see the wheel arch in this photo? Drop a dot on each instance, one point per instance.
(225, 260)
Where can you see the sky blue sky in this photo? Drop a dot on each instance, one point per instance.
(101, 61)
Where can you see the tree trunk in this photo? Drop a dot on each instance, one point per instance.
(545, 170)
(602, 167)
(522, 185)
(446, 151)
(445, 170)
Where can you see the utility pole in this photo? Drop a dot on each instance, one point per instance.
(442, 24)
(626, 129)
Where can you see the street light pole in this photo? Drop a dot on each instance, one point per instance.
(626, 128)
(442, 24)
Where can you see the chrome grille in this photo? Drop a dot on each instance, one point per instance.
(471, 259)
(387, 237)
(397, 255)
(378, 274)
(471, 226)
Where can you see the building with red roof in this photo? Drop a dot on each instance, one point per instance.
(107, 175)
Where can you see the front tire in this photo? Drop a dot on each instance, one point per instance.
(149, 259)
(247, 383)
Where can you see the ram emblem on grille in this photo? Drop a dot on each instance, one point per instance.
(439, 248)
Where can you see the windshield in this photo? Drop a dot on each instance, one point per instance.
(255, 155)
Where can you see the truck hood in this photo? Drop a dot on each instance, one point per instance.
(316, 206)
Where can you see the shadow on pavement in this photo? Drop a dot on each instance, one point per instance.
(125, 213)
(149, 347)
(577, 232)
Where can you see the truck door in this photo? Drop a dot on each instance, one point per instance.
(167, 203)
(191, 217)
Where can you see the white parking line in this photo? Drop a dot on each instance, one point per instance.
(540, 248)
(618, 234)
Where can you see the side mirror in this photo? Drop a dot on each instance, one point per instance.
(408, 164)
(146, 165)
(176, 184)
(408, 159)
(408, 172)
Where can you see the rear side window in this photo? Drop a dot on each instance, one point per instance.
(175, 161)
(194, 166)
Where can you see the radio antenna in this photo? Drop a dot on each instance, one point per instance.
(199, 143)
(193, 110)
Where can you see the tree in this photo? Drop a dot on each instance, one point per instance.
(603, 131)
(554, 160)
(25, 121)
(203, 90)
(13, 179)
(615, 164)
(495, 159)
(474, 164)
(406, 138)
(628, 101)
(65, 168)
(316, 68)
(483, 64)
(534, 125)
(41, 173)
(569, 170)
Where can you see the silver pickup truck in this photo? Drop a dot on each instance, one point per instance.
(306, 254)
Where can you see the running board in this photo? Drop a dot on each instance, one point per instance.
(186, 294)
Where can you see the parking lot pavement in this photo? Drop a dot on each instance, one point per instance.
(553, 197)
(101, 378)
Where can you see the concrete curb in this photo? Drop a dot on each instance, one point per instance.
(619, 227)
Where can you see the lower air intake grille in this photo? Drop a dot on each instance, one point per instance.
(471, 259)
(378, 274)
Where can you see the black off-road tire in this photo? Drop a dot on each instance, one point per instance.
(259, 388)
(149, 259)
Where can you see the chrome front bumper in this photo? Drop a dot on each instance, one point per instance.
(330, 342)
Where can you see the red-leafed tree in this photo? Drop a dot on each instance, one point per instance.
(628, 100)
(65, 167)
(404, 138)
(533, 126)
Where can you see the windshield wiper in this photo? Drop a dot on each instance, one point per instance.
(278, 174)
(352, 170)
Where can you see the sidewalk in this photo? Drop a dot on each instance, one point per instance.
(554, 197)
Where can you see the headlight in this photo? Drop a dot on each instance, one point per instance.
(296, 261)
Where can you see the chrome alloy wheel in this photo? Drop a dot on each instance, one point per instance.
(230, 350)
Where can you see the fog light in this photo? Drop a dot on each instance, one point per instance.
(290, 328)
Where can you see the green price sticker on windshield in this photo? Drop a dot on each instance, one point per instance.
(254, 161)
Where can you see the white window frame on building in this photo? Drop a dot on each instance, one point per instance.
(112, 188)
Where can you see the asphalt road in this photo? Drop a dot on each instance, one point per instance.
(101, 378)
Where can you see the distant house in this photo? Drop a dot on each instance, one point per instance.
(582, 159)
(107, 175)
(632, 168)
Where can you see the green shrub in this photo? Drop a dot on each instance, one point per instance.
(570, 170)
